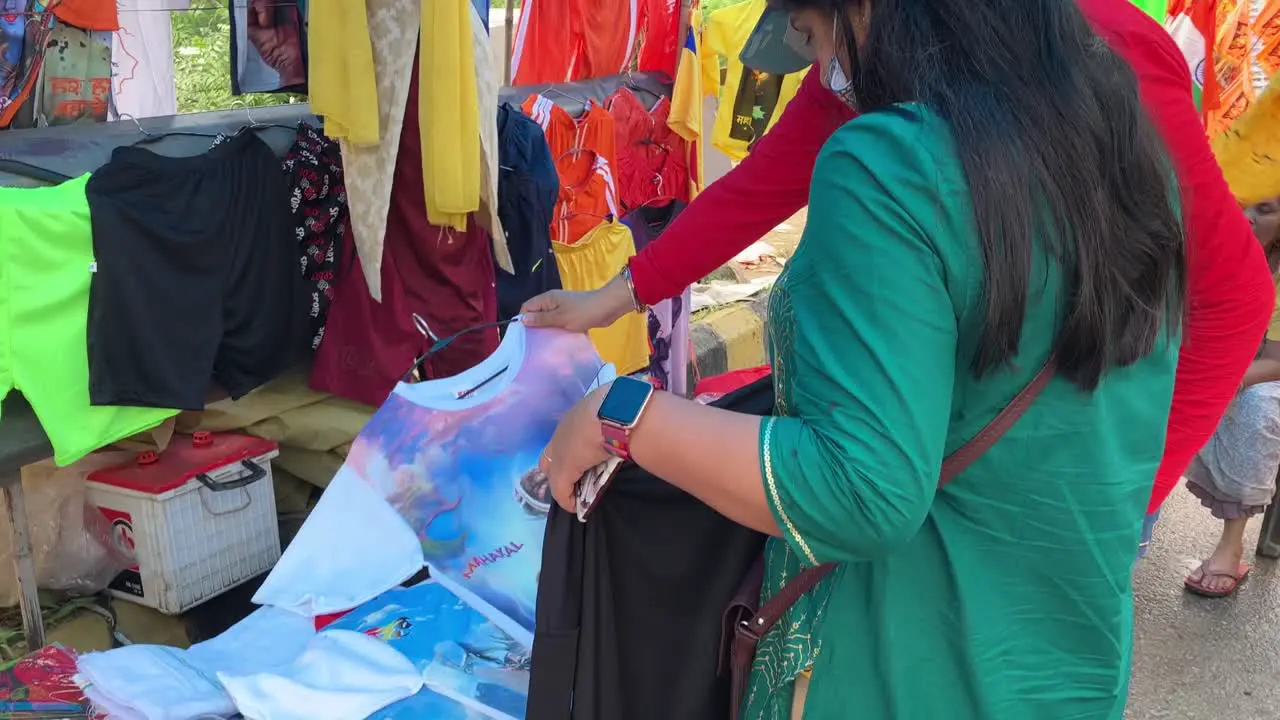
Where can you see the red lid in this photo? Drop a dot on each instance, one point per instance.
(185, 458)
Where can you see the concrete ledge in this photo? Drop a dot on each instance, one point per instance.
(729, 338)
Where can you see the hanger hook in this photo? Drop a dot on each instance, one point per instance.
(421, 324)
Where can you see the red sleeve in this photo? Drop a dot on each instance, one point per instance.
(765, 189)
(1231, 294)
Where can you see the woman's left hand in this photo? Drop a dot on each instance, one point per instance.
(576, 447)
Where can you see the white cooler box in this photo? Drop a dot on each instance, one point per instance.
(198, 519)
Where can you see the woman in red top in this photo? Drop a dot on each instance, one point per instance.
(1230, 289)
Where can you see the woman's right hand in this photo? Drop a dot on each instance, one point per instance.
(579, 311)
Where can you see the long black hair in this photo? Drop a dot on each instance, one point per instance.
(1055, 145)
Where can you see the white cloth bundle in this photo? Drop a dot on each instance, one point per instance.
(154, 682)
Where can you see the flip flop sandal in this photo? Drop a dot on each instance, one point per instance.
(1198, 586)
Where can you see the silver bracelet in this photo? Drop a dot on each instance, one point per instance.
(631, 289)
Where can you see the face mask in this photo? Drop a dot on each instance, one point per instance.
(836, 81)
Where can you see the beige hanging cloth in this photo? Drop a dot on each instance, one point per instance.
(393, 30)
(487, 89)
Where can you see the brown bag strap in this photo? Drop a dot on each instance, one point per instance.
(954, 464)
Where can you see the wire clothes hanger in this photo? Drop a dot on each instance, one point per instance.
(150, 137)
(635, 87)
(573, 108)
(254, 125)
(418, 370)
(658, 199)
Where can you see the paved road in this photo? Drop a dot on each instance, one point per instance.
(1198, 659)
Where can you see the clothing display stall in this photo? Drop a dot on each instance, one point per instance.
(191, 269)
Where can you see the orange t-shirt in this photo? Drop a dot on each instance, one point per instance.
(87, 14)
(587, 196)
(584, 151)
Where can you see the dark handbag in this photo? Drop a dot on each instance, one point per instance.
(746, 621)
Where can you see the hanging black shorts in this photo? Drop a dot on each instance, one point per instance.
(196, 276)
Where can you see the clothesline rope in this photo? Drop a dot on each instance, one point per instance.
(140, 11)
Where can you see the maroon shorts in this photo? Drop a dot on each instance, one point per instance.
(445, 276)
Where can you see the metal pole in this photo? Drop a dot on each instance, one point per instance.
(24, 562)
(508, 41)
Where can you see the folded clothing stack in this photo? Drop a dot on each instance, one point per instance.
(155, 682)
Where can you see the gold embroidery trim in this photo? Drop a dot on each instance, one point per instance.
(773, 492)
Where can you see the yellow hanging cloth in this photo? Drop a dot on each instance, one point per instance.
(448, 113)
(340, 74)
(1249, 150)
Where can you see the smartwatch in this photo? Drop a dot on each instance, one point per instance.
(621, 410)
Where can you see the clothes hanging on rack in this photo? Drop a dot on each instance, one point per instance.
(268, 47)
(527, 192)
(392, 28)
(448, 463)
(586, 196)
(446, 277)
(321, 219)
(367, 344)
(594, 130)
(685, 117)
(47, 262)
(751, 101)
(566, 40)
(142, 79)
(585, 153)
(86, 14)
(345, 85)
(668, 321)
(74, 83)
(487, 81)
(661, 23)
(650, 571)
(201, 248)
(589, 264)
(448, 273)
(652, 158)
(448, 114)
(23, 39)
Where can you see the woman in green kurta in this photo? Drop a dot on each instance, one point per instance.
(929, 287)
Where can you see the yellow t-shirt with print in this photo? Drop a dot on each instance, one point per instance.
(750, 101)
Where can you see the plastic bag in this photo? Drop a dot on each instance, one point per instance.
(70, 539)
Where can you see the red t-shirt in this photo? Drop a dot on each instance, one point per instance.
(1230, 290)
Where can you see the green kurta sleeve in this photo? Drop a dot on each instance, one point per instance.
(863, 335)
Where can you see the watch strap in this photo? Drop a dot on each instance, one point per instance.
(617, 440)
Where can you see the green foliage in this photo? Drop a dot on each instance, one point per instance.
(202, 61)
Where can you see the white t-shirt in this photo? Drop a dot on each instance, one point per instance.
(142, 79)
(342, 675)
(453, 461)
(155, 682)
